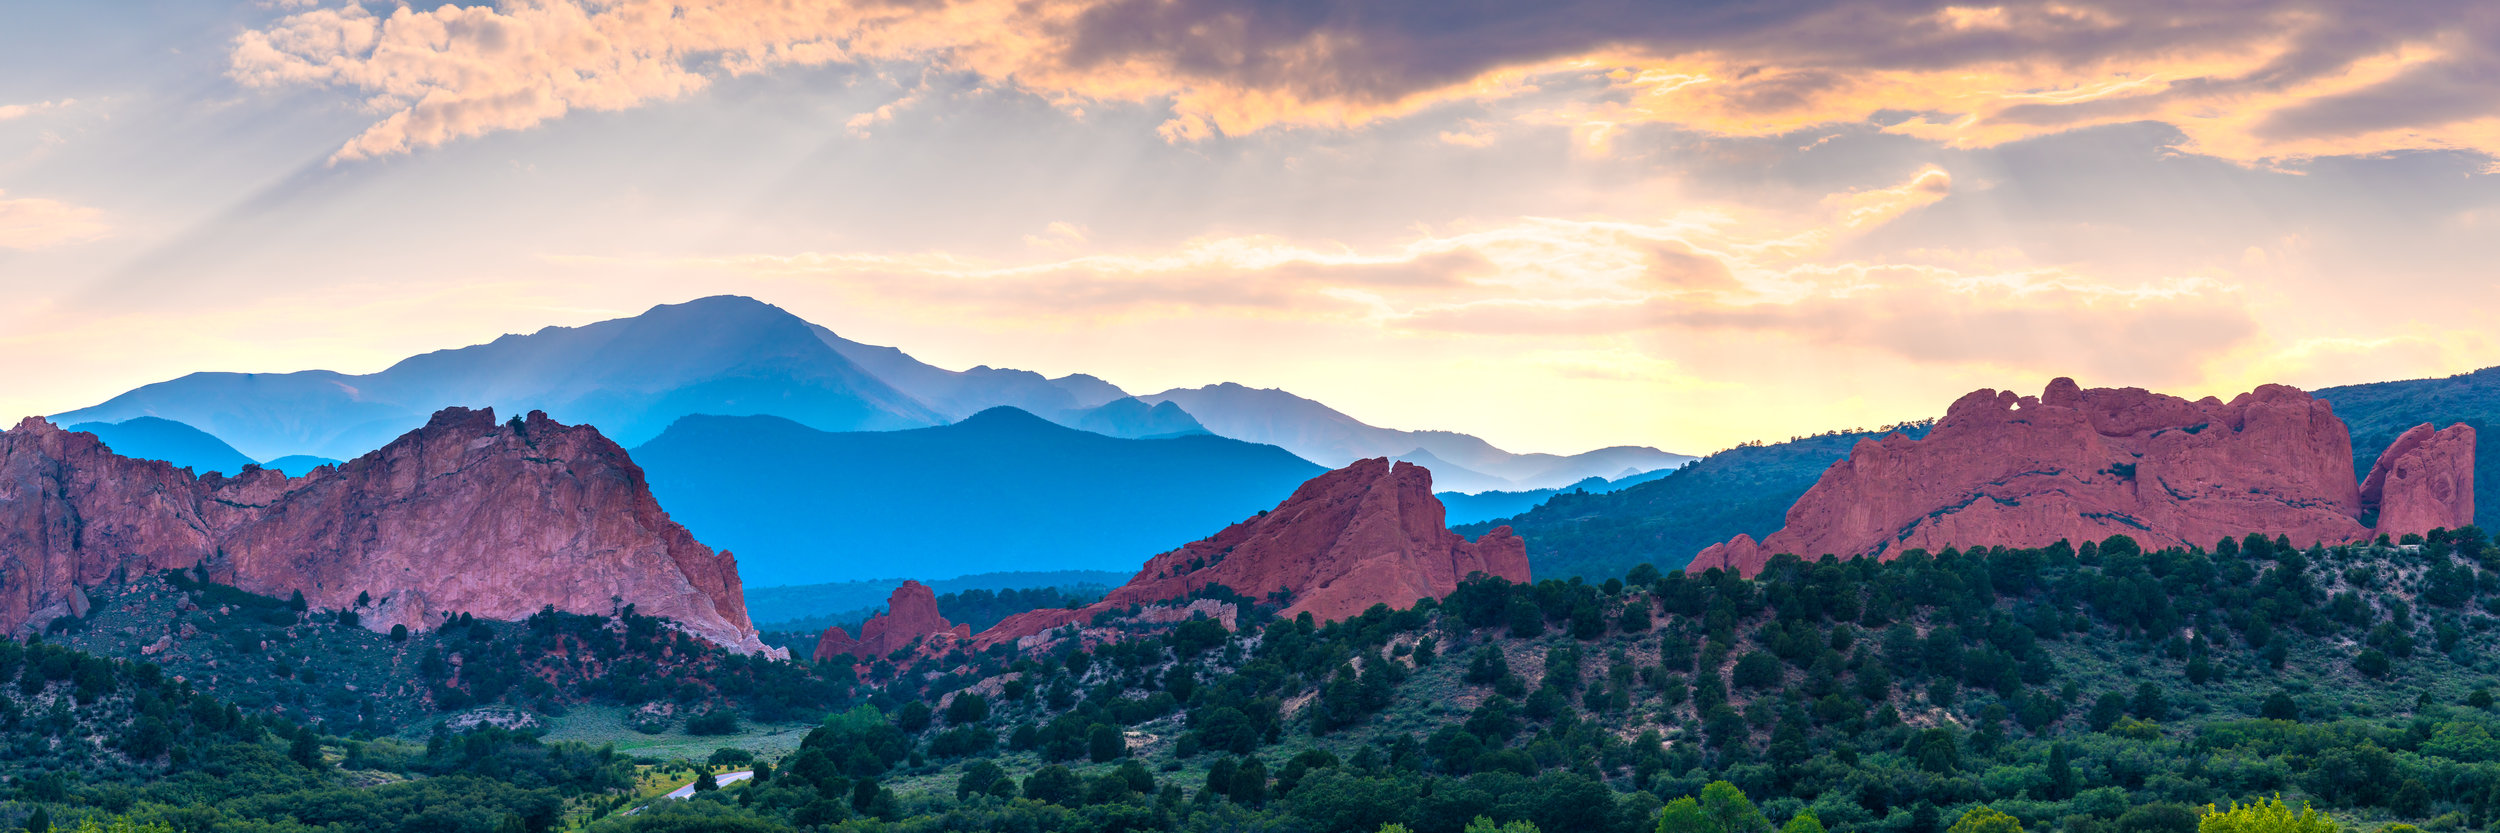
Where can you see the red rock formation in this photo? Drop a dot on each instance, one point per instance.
(911, 615)
(463, 515)
(2423, 481)
(2078, 465)
(1366, 534)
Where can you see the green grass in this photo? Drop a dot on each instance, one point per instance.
(604, 725)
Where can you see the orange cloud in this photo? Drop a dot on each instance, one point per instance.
(1589, 285)
(2250, 82)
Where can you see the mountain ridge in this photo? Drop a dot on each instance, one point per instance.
(1086, 501)
(728, 355)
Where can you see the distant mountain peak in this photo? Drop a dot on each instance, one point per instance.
(1010, 416)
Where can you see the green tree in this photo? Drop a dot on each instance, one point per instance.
(1053, 784)
(1104, 744)
(120, 824)
(2267, 816)
(1986, 819)
(1729, 811)
(306, 749)
(1683, 815)
(1249, 783)
(1484, 824)
(978, 778)
(2062, 779)
(706, 783)
(1803, 823)
(968, 708)
(1527, 621)
(1934, 750)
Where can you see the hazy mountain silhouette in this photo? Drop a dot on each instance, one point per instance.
(1077, 400)
(295, 465)
(1002, 490)
(1325, 436)
(735, 356)
(152, 438)
(630, 377)
(1485, 506)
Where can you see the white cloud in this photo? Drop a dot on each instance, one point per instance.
(13, 111)
(36, 223)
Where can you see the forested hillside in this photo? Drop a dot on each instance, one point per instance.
(1746, 489)
(2098, 689)
(2093, 689)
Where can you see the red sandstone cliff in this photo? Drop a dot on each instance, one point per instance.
(2078, 465)
(1365, 534)
(2423, 481)
(911, 614)
(463, 515)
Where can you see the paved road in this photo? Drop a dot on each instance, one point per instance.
(725, 779)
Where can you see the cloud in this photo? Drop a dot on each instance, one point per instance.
(12, 111)
(36, 223)
(1586, 284)
(1865, 209)
(2250, 81)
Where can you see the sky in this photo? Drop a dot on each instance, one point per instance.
(1558, 225)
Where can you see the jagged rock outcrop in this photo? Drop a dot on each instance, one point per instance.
(1366, 534)
(2423, 481)
(466, 514)
(911, 615)
(2082, 465)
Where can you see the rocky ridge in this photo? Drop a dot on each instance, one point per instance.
(465, 514)
(1370, 533)
(2076, 465)
(911, 616)
(2423, 481)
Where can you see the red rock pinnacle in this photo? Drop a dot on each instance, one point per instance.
(910, 614)
(2423, 481)
(1366, 534)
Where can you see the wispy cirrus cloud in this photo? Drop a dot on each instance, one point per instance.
(2261, 80)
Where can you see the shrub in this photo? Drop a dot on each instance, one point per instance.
(714, 722)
